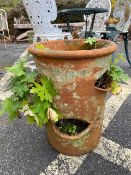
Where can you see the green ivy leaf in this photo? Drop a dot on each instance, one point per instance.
(117, 73)
(42, 91)
(48, 84)
(39, 46)
(29, 91)
(29, 77)
(30, 119)
(10, 107)
(115, 88)
(120, 56)
(40, 110)
(20, 89)
(125, 77)
(18, 68)
(91, 40)
(69, 129)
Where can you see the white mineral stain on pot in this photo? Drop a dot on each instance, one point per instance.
(76, 96)
(57, 97)
(70, 115)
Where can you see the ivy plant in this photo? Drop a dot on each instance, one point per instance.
(117, 74)
(112, 78)
(91, 41)
(69, 128)
(31, 94)
(40, 46)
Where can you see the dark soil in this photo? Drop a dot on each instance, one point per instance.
(65, 126)
(97, 45)
(104, 82)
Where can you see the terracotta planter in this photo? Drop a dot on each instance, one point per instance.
(74, 71)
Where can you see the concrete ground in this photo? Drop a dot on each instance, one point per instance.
(24, 149)
(9, 56)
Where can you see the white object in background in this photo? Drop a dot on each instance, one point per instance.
(41, 14)
(123, 12)
(4, 26)
(101, 18)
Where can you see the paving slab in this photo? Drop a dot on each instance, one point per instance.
(119, 129)
(96, 165)
(24, 149)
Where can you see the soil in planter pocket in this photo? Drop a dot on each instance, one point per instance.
(71, 126)
(97, 45)
(104, 81)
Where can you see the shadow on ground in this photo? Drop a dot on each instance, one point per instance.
(23, 149)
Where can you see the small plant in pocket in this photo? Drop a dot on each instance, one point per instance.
(113, 77)
(71, 126)
(70, 129)
(91, 41)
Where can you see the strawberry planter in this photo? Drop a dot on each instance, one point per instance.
(74, 67)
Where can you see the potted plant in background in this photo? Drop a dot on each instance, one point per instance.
(61, 92)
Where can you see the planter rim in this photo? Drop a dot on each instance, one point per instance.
(104, 90)
(77, 54)
(72, 137)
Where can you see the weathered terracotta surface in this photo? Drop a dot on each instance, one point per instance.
(80, 144)
(74, 72)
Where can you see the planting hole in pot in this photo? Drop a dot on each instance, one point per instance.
(104, 82)
(71, 126)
